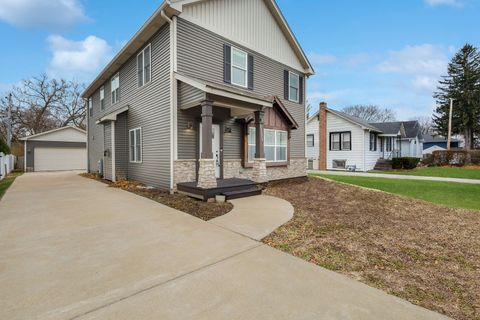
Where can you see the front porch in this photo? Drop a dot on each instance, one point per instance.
(233, 188)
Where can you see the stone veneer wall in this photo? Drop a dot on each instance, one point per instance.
(185, 170)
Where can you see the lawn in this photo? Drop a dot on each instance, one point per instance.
(7, 182)
(444, 172)
(455, 195)
(421, 252)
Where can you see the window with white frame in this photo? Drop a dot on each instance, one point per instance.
(239, 67)
(310, 140)
(102, 98)
(276, 145)
(389, 143)
(135, 143)
(346, 141)
(115, 88)
(144, 66)
(341, 141)
(90, 107)
(251, 143)
(293, 87)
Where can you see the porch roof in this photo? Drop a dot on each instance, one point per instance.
(112, 116)
(225, 91)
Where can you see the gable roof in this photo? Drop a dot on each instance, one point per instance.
(164, 12)
(428, 138)
(408, 129)
(352, 119)
(52, 131)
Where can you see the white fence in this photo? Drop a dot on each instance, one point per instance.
(7, 164)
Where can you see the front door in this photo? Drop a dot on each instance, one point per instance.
(215, 147)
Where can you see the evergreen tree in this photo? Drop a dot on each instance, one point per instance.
(463, 85)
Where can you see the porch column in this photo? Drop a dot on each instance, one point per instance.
(206, 163)
(259, 162)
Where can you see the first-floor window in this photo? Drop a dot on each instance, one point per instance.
(346, 141)
(310, 140)
(135, 145)
(389, 142)
(341, 141)
(275, 145)
(373, 141)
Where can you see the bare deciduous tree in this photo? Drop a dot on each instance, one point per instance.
(425, 123)
(40, 104)
(371, 113)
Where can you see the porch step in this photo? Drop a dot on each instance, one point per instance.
(383, 165)
(247, 192)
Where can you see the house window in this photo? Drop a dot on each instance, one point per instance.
(90, 107)
(144, 66)
(373, 141)
(135, 143)
(239, 67)
(310, 140)
(115, 88)
(102, 98)
(340, 141)
(293, 87)
(339, 164)
(275, 146)
(388, 142)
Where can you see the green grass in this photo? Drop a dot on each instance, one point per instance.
(445, 172)
(7, 182)
(454, 195)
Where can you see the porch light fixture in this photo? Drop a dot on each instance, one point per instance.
(189, 125)
(228, 130)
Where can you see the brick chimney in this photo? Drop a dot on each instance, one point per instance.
(322, 120)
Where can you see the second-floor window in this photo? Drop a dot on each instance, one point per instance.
(293, 87)
(102, 98)
(115, 88)
(90, 107)
(239, 67)
(144, 66)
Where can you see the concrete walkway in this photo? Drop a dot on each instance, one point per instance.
(73, 248)
(256, 217)
(394, 176)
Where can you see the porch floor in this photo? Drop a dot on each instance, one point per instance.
(232, 188)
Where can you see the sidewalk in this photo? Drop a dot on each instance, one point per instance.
(393, 176)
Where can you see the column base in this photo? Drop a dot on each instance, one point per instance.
(206, 174)
(259, 173)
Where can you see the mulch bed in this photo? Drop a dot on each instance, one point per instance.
(203, 210)
(421, 252)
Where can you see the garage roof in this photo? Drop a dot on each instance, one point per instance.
(44, 135)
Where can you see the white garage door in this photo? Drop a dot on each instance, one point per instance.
(57, 159)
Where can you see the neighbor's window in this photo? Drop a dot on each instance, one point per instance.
(389, 142)
(310, 140)
(115, 88)
(346, 141)
(373, 141)
(90, 107)
(135, 143)
(340, 141)
(144, 66)
(275, 145)
(239, 67)
(102, 98)
(293, 87)
(335, 141)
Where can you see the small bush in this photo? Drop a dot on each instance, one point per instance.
(397, 163)
(458, 158)
(410, 163)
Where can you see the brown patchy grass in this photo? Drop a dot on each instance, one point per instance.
(203, 210)
(418, 251)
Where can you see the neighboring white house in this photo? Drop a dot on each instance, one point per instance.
(56, 150)
(338, 141)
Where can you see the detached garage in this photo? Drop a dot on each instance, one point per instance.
(56, 150)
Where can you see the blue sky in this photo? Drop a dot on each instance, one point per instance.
(388, 53)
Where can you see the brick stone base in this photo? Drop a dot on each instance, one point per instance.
(185, 171)
(259, 172)
(206, 174)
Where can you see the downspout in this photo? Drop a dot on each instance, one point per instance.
(172, 80)
(88, 134)
(25, 155)
(364, 155)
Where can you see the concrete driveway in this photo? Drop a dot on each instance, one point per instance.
(72, 248)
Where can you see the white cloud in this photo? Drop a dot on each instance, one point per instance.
(78, 59)
(317, 58)
(434, 3)
(42, 13)
(425, 83)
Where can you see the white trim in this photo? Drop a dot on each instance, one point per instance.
(51, 131)
(142, 52)
(114, 169)
(290, 73)
(238, 67)
(135, 145)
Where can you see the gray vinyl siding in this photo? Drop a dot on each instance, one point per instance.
(95, 136)
(233, 142)
(149, 108)
(200, 54)
(107, 160)
(31, 145)
(121, 146)
(188, 94)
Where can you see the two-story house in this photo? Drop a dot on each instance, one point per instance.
(208, 93)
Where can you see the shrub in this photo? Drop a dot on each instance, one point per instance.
(4, 147)
(410, 163)
(456, 158)
(397, 163)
